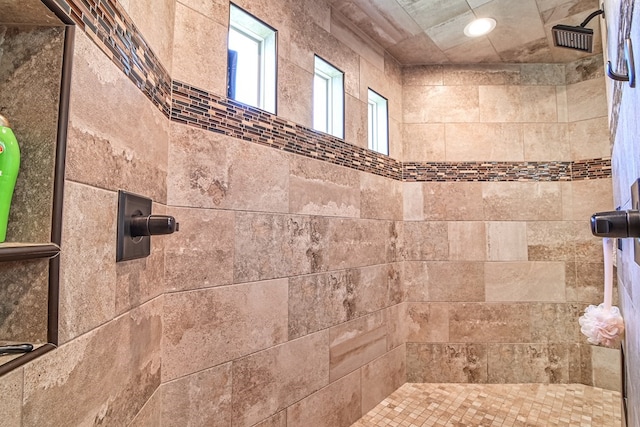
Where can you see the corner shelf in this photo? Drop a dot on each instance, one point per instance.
(25, 251)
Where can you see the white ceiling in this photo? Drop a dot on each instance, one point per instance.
(431, 31)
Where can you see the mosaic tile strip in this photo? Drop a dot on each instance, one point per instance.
(591, 169)
(113, 31)
(486, 171)
(195, 107)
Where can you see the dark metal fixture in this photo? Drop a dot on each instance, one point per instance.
(579, 38)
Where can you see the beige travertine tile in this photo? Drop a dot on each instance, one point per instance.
(586, 100)
(132, 146)
(551, 240)
(563, 109)
(196, 35)
(319, 301)
(127, 372)
(380, 198)
(278, 420)
(209, 170)
(155, 19)
(356, 243)
(203, 398)
(151, 412)
(547, 141)
(412, 201)
(478, 322)
(588, 246)
(217, 10)
(383, 376)
(555, 323)
(507, 241)
(580, 370)
(396, 145)
(581, 199)
(295, 93)
(355, 343)
(355, 121)
(440, 104)
(423, 142)
(591, 67)
(423, 75)
(416, 281)
(589, 283)
(269, 246)
(426, 240)
(590, 138)
(542, 74)
(455, 281)
(525, 281)
(396, 325)
(245, 318)
(518, 104)
(528, 363)
(271, 380)
(483, 142)
(11, 403)
(453, 201)
(89, 240)
(467, 240)
(204, 234)
(318, 188)
(427, 322)
(23, 302)
(458, 363)
(343, 30)
(519, 201)
(338, 404)
(606, 368)
(481, 74)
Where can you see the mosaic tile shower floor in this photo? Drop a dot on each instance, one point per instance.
(492, 405)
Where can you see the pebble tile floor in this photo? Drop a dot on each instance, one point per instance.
(489, 405)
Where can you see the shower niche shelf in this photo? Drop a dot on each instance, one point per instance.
(35, 52)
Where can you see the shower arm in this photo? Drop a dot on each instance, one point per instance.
(590, 17)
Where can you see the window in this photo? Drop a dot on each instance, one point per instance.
(251, 61)
(378, 123)
(328, 99)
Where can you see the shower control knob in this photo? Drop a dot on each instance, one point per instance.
(616, 224)
(152, 225)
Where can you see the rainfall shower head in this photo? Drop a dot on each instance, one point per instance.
(579, 38)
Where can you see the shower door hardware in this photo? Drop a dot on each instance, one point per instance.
(631, 68)
(635, 204)
(136, 225)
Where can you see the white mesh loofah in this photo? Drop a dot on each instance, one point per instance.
(601, 326)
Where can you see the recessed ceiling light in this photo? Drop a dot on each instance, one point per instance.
(479, 27)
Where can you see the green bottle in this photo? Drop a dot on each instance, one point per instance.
(9, 166)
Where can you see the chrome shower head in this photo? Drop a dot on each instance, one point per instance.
(579, 38)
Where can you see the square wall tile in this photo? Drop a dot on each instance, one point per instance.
(507, 241)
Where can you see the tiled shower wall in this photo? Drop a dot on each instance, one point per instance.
(497, 273)
(281, 298)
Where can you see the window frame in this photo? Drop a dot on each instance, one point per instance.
(377, 122)
(335, 87)
(267, 39)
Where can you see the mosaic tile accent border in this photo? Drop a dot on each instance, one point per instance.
(113, 31)
(486, 171)
(195, 107)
